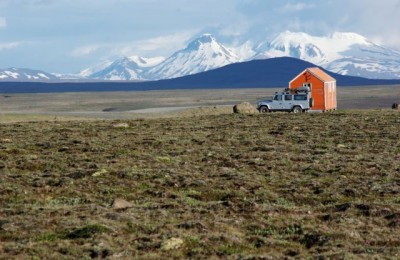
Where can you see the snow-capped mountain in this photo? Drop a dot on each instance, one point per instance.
(17, 74)
(121, 69)
(95, 68)
(202, 54)
(343, 53)
(127, 68)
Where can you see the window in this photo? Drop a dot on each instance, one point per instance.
(288, 97)
(300, 97)
(278, 97)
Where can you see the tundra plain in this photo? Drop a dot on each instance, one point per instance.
(199, 183)
(155, 104)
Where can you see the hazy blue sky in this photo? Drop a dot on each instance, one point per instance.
(69, 35)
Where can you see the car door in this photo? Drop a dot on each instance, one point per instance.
(277, 102)
(287, 102)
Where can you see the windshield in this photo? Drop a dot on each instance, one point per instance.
(278, 97)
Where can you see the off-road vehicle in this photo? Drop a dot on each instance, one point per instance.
(296, 101)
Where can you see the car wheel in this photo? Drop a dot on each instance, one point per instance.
(297, 110)
(264, 109)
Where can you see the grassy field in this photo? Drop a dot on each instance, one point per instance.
(225, 186)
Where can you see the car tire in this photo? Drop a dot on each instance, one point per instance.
(264, 109)
(297, 110)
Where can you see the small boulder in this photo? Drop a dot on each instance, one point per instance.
(244, 108)
(120, 125)
(172, 243)
(99, 173)
(395, 106)
(120, 204)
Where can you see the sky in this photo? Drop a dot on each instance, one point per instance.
(66, 36)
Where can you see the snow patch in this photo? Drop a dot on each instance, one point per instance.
(43, 75)
(12, 74)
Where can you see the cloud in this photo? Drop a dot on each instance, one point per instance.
(11, 45)
(157, 43)
(85, 50)
(156, 46)
(22, 3)
(296, 7)
(3, 22)
(162, 45)
(376, 20)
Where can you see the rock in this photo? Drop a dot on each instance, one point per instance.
(172, 243)
(199, 183)
(63, 149)
(99, 173)
(121, 125)
(121, 204)
(10, 227)
(395, 106)
(244, 108)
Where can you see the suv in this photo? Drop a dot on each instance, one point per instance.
(295, 101)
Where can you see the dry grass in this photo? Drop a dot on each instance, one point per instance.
(229, 186)
(15, 118)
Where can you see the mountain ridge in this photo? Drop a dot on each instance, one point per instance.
(341, 52)
(269, 73)
(24, 74)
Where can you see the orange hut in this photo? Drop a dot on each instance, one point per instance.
(323, 88)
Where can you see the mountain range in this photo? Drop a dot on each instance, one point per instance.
(16, 74)
(266, 73)
(342, 53)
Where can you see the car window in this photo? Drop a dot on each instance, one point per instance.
(300, 97)
(278, 97)
(288, 97)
